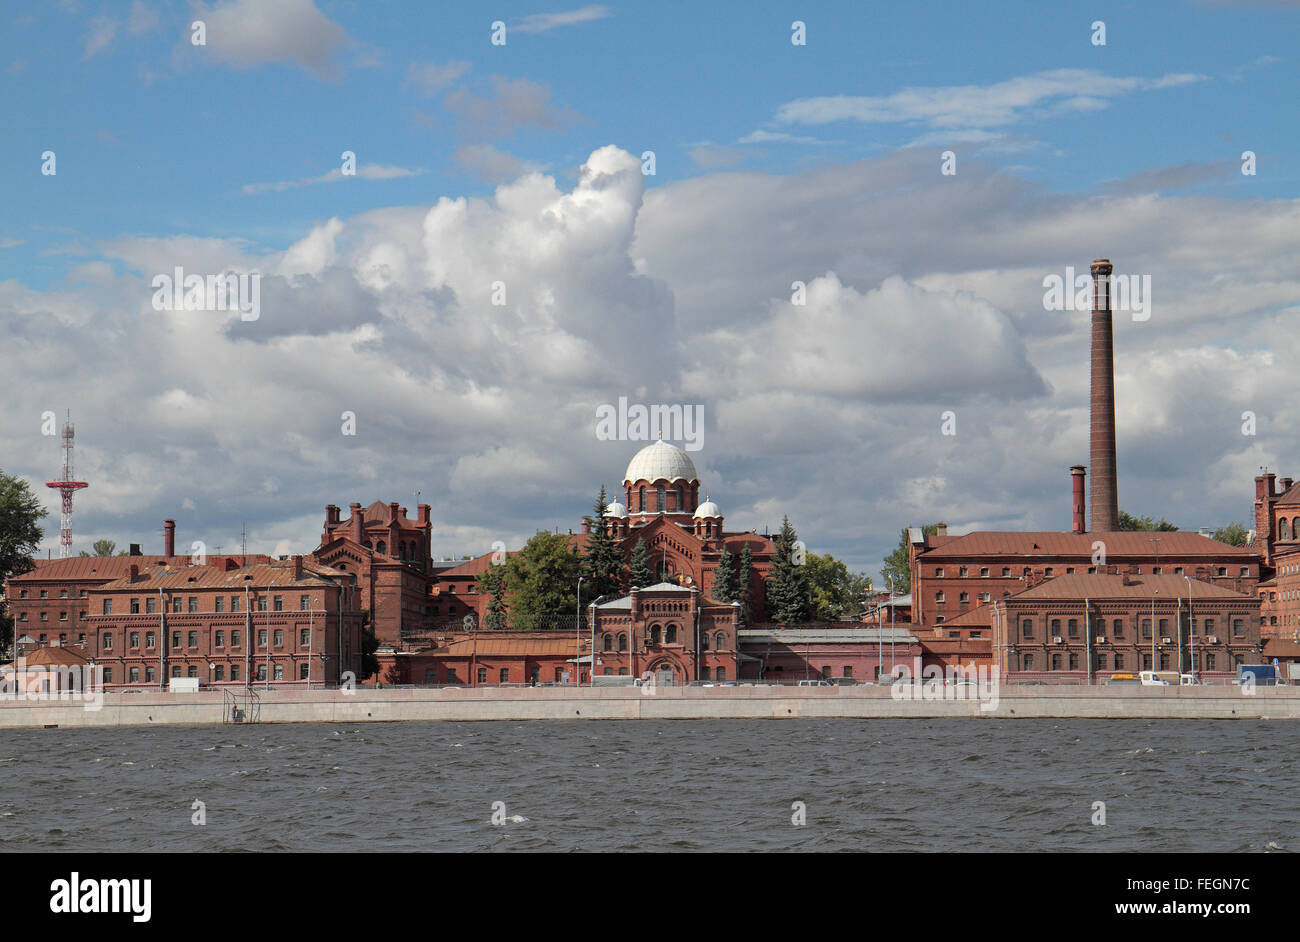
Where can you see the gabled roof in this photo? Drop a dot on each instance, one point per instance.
(975, 618)
(208, 577)
(51, 656)
(1104, 586)
(107, 568)
(1126, 543)
(666, 587)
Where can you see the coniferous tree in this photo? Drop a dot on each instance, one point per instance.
(724, 578)
(492, 583)
(788, 595)
(640, 575)
(744, 573)
(603, 563)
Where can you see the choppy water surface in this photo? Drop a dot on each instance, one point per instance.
(882, 785)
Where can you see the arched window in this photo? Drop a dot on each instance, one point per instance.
(640, 499)
(720, 641)
(1295, 523)
(670, 634)
(381, 547)
(609, 642)
(654, 634)
(622, 642)
(661, 498)
(1283, 531)
(681, 498)
(402, 550)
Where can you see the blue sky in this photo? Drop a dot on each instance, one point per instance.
(825, 156)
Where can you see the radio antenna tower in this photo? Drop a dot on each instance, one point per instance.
(65, 486)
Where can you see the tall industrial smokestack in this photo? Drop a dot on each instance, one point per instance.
(169, 537)
(1076, 482)
(1105, 492)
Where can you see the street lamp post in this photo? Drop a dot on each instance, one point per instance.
(1191, 630)
(591, 611)
(577, 646)
(1153, 628)
(268, 633)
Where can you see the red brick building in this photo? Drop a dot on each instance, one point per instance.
(390, 554)
(953, 575)
(52, 601)
(1050, 630)
(822, 652)
(1277, 518)
(292, 621)
(490, 658)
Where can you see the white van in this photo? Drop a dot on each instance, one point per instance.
(1149, 679)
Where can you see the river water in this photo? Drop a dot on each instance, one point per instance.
(879, 785)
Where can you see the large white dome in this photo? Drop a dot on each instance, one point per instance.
(660, 461)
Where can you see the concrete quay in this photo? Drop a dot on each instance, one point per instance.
(665, 703)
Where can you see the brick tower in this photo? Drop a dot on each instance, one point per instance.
(1104, 491)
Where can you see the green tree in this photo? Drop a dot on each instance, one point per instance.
(104, 548)
(20, 535)
(896, 568)
(492, 583)
(788, 596)
(640, 574)
(1234, 534)
(837, 593)
(542, 580)
(744, 573)
(1129, 522)
(724, 578)
(603, 563)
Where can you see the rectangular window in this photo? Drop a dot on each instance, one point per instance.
(261, 603)
(278, 671)
(220, 603)
(503, 675)
(1119, 661)
(1209, 661)
(1074, 660)
(279, 603)
(1056, 662)
(938, 573)
(177, 602)
(219, 672)
(964, 597)
(234, 640)
(108, 606)
(234, 672)
(984, 572)
(1026, 628)
(149, 675)
(45, 593)
(1072, 627)
(135, 639)
(234, 607)
(194, 604)
(304, 603)
(63, 616)
(219, 639)
(261, 637)
(1117, 628)
(1164, 627)
(134, 675)
(1209, 626)
(192, 639)
(261, 672)
(304, 637)
(1027, 662)
(150, 605)
(279, 637)
(176, 640)
(302, 671)
(135, 607)
(1164, 661)
(176, 670)
(1238, 627)
(108, 641)
(150, 640)
(108, 675)
(1056, 627)
(482, 675)
(1146, 627)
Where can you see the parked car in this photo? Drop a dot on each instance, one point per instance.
(843, 682)
(815, 683)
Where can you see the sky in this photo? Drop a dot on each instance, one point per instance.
(920, 169)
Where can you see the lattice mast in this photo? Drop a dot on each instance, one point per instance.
(66, 486)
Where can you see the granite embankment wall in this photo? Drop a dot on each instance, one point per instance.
(666, 703)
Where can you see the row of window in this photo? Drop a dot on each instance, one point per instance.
(45, 594)
(133, 675)
(1071, 661)
(192, 638)
(609, 640)
(45, 617)
(1051, 571)
(1072, 627)
(191, 604)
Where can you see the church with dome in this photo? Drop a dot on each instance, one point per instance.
(661, 507)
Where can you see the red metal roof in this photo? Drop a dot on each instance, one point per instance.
(1103, 586)
(208, 577)
(105, 568)
(985, 543)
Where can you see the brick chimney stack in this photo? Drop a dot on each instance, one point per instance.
(1077, 473)
(354, 522)
(169, 538)
(1105, 491)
